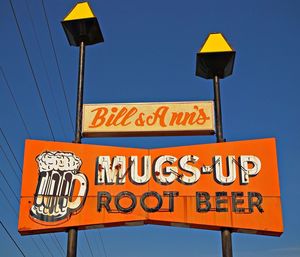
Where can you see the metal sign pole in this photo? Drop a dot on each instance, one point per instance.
(82, 28)
(225, 233)
(72, 233)
(215, 60)
(218, 113)
(226, 242)
(72, 242)
(80, 93)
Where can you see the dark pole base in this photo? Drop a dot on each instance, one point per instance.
(226, 242)
(72, 242)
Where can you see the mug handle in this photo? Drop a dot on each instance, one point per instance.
(76, 204)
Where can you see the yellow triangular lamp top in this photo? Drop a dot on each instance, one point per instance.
(80, 11)
(215, 42)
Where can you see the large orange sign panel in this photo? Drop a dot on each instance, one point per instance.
(233, 185)
(148, 119)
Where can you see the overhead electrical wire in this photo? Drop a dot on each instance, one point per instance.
(10, 164)
(9, 203)
(16, 160)
(15, 102)
(6, 181)
(41, 99)
(37, 246)
(104, 250)
(98, 243)
(13, 191)
(60, 247)
(23, 121)
(14, 194)
(9, 146)
(45, 69)
(57, 65)
(44, 243)
(14, 171)
(14, 241)
(31, 69)
(88, 243)
(15, 212)
(80, 251)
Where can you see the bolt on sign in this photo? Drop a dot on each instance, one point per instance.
(233, 185)
(148, 119)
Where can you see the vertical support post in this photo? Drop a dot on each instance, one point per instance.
(72, 242)
(225, 233)
(226, 242)
(218, 112)
(80, 93)
(72, 233)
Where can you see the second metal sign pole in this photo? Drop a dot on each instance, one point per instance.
(218, 112)
(79, 106)
(225, 232)
(72, 233)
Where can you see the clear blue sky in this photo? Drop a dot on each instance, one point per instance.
(149, 55)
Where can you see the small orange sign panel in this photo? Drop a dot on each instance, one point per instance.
(233, 185)
(148, 119)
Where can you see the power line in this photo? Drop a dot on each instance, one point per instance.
(17, 199)
(37, 246)
(10, 149)
(60, 247)
(98, 245)
(45, 69)
(31, 68)
(57, 65)
(43, 241)
(88, 243)
(9, 203)
(15, 102)
(10, 164)
(80, 251)
(104, 250)
(9, 186)
(16, 213)
(19, 202)
(7, 232)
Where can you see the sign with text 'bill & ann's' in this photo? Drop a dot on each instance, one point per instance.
(148, 119)
(233, 185)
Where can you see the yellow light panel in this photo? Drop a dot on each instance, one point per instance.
(80, 11)
(215, 43)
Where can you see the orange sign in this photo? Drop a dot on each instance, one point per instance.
(233, 185)
(148, 119)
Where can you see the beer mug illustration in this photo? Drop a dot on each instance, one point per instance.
(54, 196)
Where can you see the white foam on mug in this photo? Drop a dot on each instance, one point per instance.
(59, 161)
